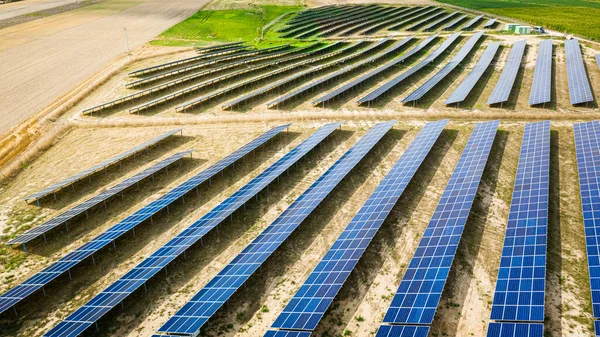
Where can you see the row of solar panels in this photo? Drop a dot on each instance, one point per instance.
(520, 286)
(374, 18)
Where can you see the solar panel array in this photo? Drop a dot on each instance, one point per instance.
(216, 47)
(95, 200)
(398, 12)
(506, 329)
(418, 295)
(321, 27)
(312, 85)
(466, 86)
(64, 264)
(413, 17)
(85, 316)
(473, 23)
(350, 24)
(541, 87)
(579, 85)
(195, 313)
(98, 167)
(382, 90)
(520, 286)
(403, 331)
(447, 69)
(454, 22)
(489, 23)
(507, 79)
(416, 25)
(347, 87)
(437, 22)
(309, 304)
(587, 147)
(394, 20)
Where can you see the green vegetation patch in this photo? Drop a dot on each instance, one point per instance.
(224, 26)
(578, 17)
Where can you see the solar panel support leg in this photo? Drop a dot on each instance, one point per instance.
(105, 207)
(97, 330)
(183, 199)
(67, 226)
(168, 211)
(54, 193)
(133, 231)
(37, 202)
(115, 245)
(145, 288)
(122, 306)
(44, 291)
(69, 271)
(45, 241)
(72, 187)
(93, 260)
(86, 215)
(166, 271)
(24, 248)
(15, 310)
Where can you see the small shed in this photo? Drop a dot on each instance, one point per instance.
(511, 27)
(523, 30)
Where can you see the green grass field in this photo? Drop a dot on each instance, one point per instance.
(225, 26)
(580, 17)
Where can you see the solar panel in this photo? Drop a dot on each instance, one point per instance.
(473, 23)
(507, 79)
(382, 90)
(362, 79)
(587, 148)
(403, 331)
(454, 22)
(79, 209)
(490, 23)
(466, 86)
(421, 287)
(64, 264)
(579, 85)
(598, 60)
(98, 167)
(597, 328)
(394, 20)
(319, 82)
(542, 76)
(398, 12)
(447, 69)
(436, 23)
(138, 276)
(355, 21)
(195, 313)
(515, 330)
(287, 334)
(307, 307)
(520, 286)
(413, 17)
(414, 26)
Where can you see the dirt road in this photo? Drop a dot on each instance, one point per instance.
(12, 9)
(43, 59)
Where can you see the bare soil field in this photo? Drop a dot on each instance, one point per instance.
(362, 302)
(44, 59)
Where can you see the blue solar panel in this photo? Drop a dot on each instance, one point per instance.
(520, 287)
(464, 88)
(287, 334)
(135, 278)
(402, 331)
(95, 200)
(309, 304)
(380, 91)
(515, 330)
(447, 69)
(587, 146)
(579, 85)
(195, 313)
(541, 87)
(85, 173)
(37, 281)
(506, 82)
(421, 287)
(597, 328)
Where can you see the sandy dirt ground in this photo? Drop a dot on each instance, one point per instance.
(359, 307)
(12, 9)
(43, 59)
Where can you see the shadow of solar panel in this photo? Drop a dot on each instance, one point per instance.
(309, 304)
(402, 331)
(135, 278)
(195, 313)
(507, 79)
(349, 86)
(579, 86)
(64, 264)
(418, 295)
(83, 174)
(520, 286)
(447, 69)
(466, 86)
(95, 200)
(515, 330)
(587, 148)
(542, 75)
(380, 91)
